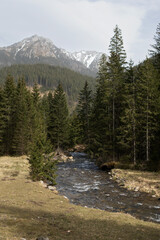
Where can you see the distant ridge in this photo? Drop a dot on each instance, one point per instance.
(38, 49)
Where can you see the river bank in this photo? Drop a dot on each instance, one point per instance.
(138, 181)
(28, 210)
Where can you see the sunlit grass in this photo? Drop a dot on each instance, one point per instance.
(28, 210)
(142, 181)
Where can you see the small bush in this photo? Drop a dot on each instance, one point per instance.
(108, 166)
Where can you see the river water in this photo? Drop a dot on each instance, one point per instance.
(84, 184)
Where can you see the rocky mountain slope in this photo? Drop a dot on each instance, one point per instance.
(90, 59)
(38, 49)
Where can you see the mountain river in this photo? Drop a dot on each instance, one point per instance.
(84, 184)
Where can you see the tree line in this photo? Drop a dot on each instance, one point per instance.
(32, 125)
(121, 121)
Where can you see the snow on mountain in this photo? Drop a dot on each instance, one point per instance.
(68, 54)
(34, 46)
(38, 49)
(90, 59)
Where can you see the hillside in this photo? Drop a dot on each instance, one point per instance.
(48, 78)
(39, 50)
(28, 211)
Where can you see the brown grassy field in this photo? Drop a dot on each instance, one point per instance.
(138, 180)
(28, 210)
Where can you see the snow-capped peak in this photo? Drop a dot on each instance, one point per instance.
(89, 58)
(34, 46)
(39, 49)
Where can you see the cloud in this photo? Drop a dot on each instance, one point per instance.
(81, 24)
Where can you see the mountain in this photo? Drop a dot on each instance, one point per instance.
(38, 49)
(89, 58)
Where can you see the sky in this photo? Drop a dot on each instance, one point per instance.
(82, 24)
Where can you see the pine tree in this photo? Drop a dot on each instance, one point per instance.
(36, 94)
(109, 99)
(116, 48)
(101, 115)
(9, 95)
(3, 119)
(116, 69)
(127, 137)
(41, 165)
(34, 112)
(20, 119)
(84, 113)
(49, 115)
(58, 131)
(155, 53)
(147, 107)
(74, 130)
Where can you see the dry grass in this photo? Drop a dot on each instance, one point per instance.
(138, 180)
(13, 167)
(28, 210)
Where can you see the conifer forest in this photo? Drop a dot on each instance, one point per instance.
(117, 118)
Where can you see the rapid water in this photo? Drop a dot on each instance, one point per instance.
(83, 183)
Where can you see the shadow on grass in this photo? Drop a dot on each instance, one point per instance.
(29, 224)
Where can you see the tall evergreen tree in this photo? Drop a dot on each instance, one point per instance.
(41, 165)
(74, 130)
(147, 108)
(127, 136)
(58, 130)
(49, 115)
(155, 53)
(100, 121)
(3, 119)
(36, 94)
(20, 119)
(84, 113)
(9, 95)
(116, 69)
(35, 112)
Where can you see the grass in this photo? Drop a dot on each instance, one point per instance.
(28, 210)
(139, 180)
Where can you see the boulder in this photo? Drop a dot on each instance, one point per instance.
(43, 184)
(52, 188)
(70, 159)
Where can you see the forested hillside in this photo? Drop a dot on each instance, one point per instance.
(48, 78)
